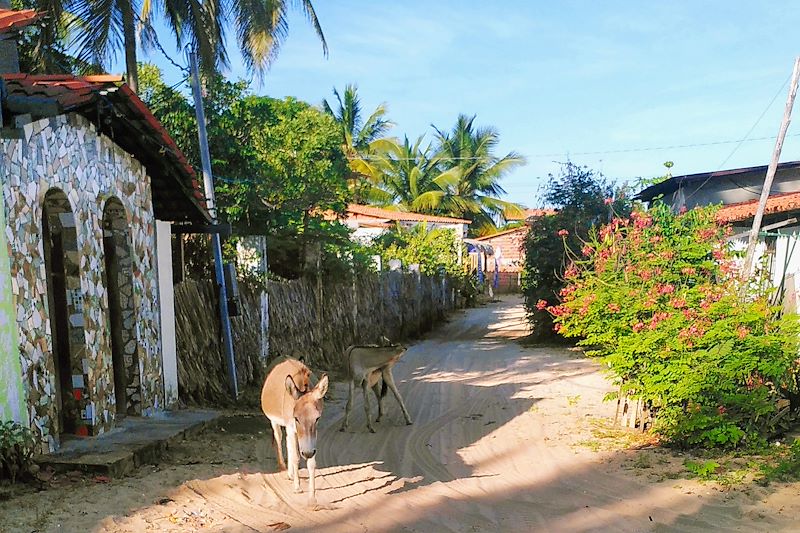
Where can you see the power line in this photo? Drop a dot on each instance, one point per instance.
(600, 152)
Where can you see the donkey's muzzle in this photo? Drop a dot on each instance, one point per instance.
(308, 455)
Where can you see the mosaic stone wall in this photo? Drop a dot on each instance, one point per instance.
(66, 153)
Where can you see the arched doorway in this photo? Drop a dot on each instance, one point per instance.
(118, 278)
(65, 304)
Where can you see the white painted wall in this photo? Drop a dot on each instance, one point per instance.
(166, 290)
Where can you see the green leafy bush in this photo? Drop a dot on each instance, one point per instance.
(583, 198)
(653, 295)
(17, 445)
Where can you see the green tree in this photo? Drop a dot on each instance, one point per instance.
(278, 164)
(105, 27)
(358, 136)
(468, 185)
(583, 199)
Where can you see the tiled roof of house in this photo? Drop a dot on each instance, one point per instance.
(11, 19)
(520, 229)
(131, 125)
(530, 213)
(777, 203)
(401, 216)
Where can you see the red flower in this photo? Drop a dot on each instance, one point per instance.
(721, 410)
(689, 271)
(586, 250)
(608, 201)
(614, 308)
(639, 326)
(666, 289)
(562, 233)
(541, 305)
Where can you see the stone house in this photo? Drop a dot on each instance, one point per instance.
(91, 186)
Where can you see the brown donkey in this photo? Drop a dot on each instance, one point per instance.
(371, 368)
(288, 402)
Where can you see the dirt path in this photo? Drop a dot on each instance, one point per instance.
(501, 441)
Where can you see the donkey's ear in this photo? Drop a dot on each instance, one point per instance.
(322, 387)
(302, 359)
(292, 389)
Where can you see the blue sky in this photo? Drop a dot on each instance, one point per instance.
(559, 80)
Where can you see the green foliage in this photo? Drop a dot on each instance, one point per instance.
(653, 295)
(435, 251)
(583, 199)
(787, 467)
(458, 175)
(705, 470)
(278, 165)
(17, 446)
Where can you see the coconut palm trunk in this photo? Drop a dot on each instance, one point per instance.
(129, 36)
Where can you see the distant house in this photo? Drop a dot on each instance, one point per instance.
(368, 222)
(738, 191)
(509, 258)
(725, 187)
(91, 184)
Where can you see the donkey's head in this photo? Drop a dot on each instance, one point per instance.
(307, 412)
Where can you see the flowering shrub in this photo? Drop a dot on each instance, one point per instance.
(582, 198)
(653, 296)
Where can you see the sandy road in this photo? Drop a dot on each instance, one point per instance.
(495, 446)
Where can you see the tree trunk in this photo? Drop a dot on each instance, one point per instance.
(129, 33)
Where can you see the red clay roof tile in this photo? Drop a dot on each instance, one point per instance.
(11, 19)
(377, 212)
(777, 203)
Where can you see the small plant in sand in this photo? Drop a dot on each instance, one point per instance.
(17, 446)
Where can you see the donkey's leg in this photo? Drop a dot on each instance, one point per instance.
(294, 458)
(311, 464)
(365, 390)
(380, 393)
(349, 406)
(389, 379)
(276, 443)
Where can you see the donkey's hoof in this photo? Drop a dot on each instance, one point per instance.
(342, 429)
(409, 422)
(298, 490)
(371, 430)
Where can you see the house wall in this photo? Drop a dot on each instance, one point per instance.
(511, 258)
(732, 189)
(12, 393)
(66, 152)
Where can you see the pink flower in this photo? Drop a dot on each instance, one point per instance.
(742, 332)
(562, 233)
(682, 210)
(608, 201)
(639, 326)
(586, 250)
(689, 271)
(678, 303)
(541, 305)
(666, 289)
(721, 410)
(614, 308)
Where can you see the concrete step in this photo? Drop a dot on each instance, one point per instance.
(134, 442)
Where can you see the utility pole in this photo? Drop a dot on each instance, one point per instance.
(773, 167)
(211, 203)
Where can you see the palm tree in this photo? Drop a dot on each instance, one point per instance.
(261, 27)
(399, 173)
(468, 186)
(358, 135)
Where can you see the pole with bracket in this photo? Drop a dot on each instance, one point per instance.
(216, 244)
(773, 167)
